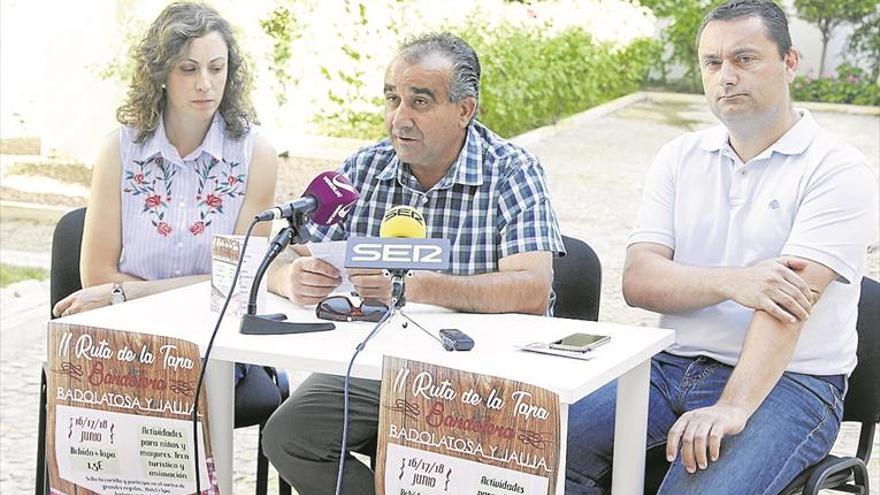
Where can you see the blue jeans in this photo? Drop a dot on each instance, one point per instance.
(794, 428)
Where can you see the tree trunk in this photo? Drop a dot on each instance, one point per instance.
(825, 35)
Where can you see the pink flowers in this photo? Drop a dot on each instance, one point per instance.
(197, 228)
(214, 201)
(232, 180)
(138, 178)
(163, 229)
(154, 201)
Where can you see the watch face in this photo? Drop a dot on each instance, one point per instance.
(117, 296)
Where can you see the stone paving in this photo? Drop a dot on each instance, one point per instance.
(595, 164)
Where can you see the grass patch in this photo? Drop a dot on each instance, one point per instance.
(75, 173)
(10, 274)
(663, 112)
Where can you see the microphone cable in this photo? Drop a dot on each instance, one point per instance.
(195, 414)
(343, 450)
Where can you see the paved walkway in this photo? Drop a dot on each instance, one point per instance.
(595, 164)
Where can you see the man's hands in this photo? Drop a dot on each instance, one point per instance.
(700, 432)
(773, 286)
(371, 284)
(83, 300)
(311, 280)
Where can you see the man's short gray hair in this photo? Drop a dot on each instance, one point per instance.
(465, 79)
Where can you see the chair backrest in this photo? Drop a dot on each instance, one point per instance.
(66, 242)
(862, 401)
(577, 281)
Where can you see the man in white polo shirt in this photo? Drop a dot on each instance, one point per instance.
(751, 243)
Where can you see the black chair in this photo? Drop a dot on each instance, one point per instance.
(577, 281)
(861, 405)
(64, 270)
(257, 395)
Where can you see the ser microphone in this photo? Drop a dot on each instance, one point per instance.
(403, 221)
(402, 247)
(327, 201)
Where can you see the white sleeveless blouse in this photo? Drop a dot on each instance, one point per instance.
(173, 206)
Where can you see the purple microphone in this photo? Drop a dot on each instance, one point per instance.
(327, 201)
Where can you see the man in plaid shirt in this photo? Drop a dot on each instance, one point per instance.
(485, 195)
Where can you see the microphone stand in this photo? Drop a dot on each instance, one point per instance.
(398, 301)
(273, 324)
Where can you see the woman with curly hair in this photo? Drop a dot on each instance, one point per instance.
(186, 164)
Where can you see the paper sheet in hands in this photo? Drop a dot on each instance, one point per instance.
(334, 253)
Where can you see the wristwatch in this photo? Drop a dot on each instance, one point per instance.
(117, 295)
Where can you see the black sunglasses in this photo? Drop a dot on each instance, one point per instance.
(340, 308)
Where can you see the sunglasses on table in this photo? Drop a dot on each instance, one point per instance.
(340, 308)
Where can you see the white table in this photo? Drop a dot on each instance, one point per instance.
(184, 313)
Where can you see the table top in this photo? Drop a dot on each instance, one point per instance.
(185, 313)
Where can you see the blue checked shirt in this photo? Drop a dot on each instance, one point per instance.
(492, 202)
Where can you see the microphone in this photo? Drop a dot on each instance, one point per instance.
(327, 201)
(407, 223)
(402, 247)
(403, 222)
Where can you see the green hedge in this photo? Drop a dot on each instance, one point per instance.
(530, 79)
(852, 85)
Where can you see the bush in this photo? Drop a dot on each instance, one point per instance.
(283, 27)
(864, 44)
(531, 80)
(352, 106)
(852, 85)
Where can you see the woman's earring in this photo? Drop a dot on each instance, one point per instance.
(163, 85)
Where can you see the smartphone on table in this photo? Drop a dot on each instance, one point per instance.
(579, 342)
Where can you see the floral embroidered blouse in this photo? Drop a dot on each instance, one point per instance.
(173, 206)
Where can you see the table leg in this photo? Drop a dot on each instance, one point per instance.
(220, 387)
(630, 430)
(563, 445)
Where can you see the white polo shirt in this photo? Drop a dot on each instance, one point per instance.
(808, 195)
